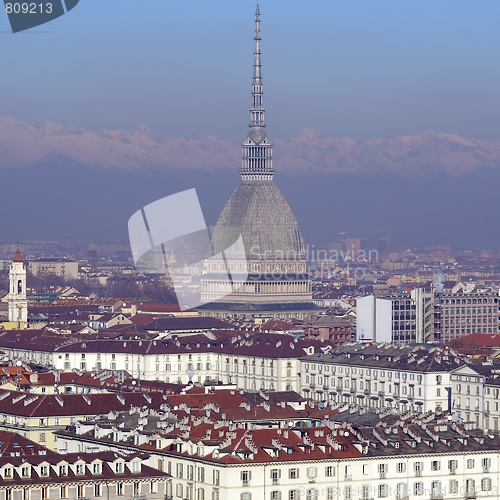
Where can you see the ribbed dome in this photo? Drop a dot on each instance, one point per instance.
(260, 214)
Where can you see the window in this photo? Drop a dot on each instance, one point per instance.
(80, 491)
(435, 465)
(486, 484)
(45, 493)
(246, 475)
(153, 487)
(365, 469)
(63, 470)
(7, 472)
(275, 476)
(453, 486)
(44, 470)
(178, 490)
(382, 469)
(365, 492)
(293, 495)
(96, 468)
(246, 496)
(329, 471)
(201, 474)
(347, 493)
(418, 489)
(453, 465)
(382, 490)
(436, 491)
(293, 473)
(215, 494)
(41, 437)
(312, 472)
(216, 478)
(470, 487)
(119, 489)
(25, 471)
(330, 493)
(470, 463)
(275, 495)
(179, 470)
(401, 467)
(97, 490)
(312, 494)
(486, 464)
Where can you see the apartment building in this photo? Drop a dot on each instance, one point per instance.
(461, 313)
(407, 378)
(249, 360)
(49, 267)
(402, 457)
(29, 471)
(402, 317)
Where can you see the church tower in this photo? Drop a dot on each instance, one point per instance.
(278, 284)
(18, 305)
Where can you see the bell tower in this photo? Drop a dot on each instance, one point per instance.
(18, 305)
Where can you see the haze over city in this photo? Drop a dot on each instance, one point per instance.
(384, 116)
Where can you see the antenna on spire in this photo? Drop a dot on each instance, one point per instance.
(257, 148)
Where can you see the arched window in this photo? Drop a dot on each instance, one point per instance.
(20, 286)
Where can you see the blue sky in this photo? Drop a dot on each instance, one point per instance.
(363, 69)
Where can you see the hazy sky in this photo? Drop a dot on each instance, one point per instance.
(364, 68)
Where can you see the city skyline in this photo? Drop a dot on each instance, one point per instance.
(124, 75)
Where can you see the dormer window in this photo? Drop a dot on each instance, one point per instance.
(119, 467)
(63, 470)
(7, 473)
(80, 469)
(44, 471)
(96, 468)
(25, 471)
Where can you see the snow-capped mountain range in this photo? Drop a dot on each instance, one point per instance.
(419, 155)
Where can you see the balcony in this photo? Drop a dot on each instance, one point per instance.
(486, 469)
(381, 393)
(418, 473)
(453, 470)
(245, 482)
(383, 475)
(348, 477)
(325, 387)
(352, 390)
(275, 480)
(366, 392)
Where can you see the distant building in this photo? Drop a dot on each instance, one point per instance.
(407, 317)
(459, 314)
(62, 268)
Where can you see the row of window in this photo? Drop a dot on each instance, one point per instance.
(367, 492)
(82, 491)
(363, 372)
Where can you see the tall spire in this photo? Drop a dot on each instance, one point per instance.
(257, 149)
